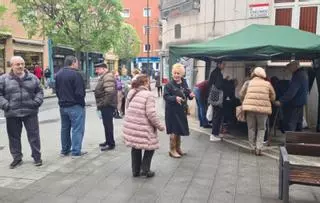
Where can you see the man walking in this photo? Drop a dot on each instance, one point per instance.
(70, 88)
(20, 97)
(295, 98)
(106, 99)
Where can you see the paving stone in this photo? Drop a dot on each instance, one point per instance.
(20, 195)
(246, 198)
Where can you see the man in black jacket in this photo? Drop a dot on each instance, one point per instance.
(21, 96)
(216, 79)
(70, 88)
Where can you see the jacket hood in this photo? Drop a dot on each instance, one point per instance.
(259, 72)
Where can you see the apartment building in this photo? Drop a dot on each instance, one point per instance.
(136, 13)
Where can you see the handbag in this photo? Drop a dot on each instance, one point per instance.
(209, 113)
(215, 96)
(240, 114)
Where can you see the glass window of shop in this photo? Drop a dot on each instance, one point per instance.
(31, 59)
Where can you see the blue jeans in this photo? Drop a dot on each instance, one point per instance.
(72, 117)
(201, 107)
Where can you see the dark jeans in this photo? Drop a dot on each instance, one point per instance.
(107, 118)
(201, 108)
(139, 163)
(14, 129)
(217, 120)
(72, 117)
(292, 118)
(159, 91)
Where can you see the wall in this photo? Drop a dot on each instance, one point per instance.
(17, 30)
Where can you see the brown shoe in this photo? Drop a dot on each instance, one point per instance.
(178, 148)
(173, 144)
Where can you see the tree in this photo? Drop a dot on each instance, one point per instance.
(128, 44)
(3, 9)
(86, 25)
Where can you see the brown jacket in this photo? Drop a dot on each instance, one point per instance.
(105, 92)
(258, 95)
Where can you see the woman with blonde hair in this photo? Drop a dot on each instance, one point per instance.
(140, 127)
(176, 93)
(257, 95)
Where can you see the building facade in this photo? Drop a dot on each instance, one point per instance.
(189, 21)
(15, 41)
(136, 13)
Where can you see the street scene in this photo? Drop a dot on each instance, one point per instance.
(160, 101)
(210, 172)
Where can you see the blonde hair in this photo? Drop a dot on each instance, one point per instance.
(178, 67)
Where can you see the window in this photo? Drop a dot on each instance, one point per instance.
(146, 47)
(146, 11)
(283, 16)
(145, 30)
(177, 31)
(308, 19)
(125, 13)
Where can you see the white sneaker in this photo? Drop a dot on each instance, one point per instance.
(214, 138)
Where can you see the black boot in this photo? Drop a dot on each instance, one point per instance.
(146, 163)
(135, 161)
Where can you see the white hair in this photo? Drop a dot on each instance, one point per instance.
(15, 58)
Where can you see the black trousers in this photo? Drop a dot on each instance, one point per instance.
(139, 163)
(107, 118)
(14, 129)
(292, 118)
(217, 119)
(159, 91)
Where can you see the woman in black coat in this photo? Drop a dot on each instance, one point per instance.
(176, 93)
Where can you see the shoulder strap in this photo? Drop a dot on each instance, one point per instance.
(134, 94)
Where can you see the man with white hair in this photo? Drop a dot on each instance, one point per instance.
(20, 97)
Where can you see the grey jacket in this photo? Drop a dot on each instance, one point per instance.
(20, 97)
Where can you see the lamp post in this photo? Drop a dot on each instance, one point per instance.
(148, 39)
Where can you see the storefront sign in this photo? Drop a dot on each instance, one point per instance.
(145, 60)
(259, 10)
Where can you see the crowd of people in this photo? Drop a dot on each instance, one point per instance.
(21, 95)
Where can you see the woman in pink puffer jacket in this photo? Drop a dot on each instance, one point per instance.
(140, 126)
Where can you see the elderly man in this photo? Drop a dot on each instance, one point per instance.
(70, 88)
(294, 98)
(20, 97)
(106, 99)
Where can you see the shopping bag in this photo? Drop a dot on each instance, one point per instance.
(209, 113)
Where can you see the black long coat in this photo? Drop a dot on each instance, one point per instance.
(175, 113)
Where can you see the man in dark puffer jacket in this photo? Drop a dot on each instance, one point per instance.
(20, 97)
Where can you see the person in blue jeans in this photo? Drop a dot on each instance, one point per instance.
(70, 89)
(200, 90)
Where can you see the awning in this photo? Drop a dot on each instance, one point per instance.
(28, 42)
(255, 42)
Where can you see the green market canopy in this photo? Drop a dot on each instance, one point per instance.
(255, 42)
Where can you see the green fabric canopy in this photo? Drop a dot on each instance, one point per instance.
(255, 42)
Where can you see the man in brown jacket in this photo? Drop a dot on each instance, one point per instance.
(106, 99)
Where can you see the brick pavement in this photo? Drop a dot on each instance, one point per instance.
(211, 172)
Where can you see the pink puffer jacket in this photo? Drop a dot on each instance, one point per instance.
(141, 121)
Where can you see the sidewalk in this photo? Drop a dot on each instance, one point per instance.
(210, 172)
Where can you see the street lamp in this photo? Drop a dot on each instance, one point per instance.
(148, 39)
